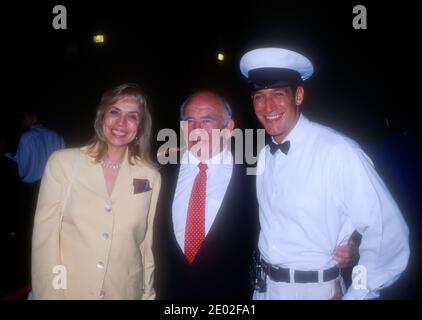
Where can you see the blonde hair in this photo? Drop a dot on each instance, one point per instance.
(139, 148)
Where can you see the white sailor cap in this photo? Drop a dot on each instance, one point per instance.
(275, 68)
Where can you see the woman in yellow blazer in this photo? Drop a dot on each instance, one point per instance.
(93, 224)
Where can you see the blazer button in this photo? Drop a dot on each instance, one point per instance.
(102, 294)
(104, 236)
(100, 265)
(108, 208)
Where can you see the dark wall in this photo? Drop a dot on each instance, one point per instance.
(169, 48)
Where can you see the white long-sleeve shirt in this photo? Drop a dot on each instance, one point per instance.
(312, 199)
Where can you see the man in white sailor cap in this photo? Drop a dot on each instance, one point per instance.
(317, 187)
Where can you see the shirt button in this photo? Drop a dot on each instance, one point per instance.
(102, 294)
(100, 265)
(104, 236)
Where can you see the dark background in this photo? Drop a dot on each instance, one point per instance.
(361, 77)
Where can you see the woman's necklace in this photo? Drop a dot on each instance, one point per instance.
(112, 166)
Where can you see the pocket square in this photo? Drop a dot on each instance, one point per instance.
(141, 185)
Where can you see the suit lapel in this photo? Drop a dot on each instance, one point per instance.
(227, 199)
(124, 179)
(91, 176)
(169, 176)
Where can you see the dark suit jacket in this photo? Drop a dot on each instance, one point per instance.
(221, 268)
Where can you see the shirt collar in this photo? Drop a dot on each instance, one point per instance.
(298, 131)
(224, 157)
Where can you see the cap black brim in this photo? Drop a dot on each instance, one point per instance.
(266, 78)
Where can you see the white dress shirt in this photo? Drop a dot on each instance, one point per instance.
(312, 199)
(219, 172)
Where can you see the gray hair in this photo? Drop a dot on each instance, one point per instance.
(227, 115)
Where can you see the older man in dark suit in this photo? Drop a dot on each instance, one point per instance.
(207, 225)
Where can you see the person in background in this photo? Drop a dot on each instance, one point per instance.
(35, 146)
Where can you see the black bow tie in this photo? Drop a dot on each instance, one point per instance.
(283, 147)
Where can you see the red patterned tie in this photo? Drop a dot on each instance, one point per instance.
(195, 222)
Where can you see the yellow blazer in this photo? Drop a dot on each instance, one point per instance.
(103, 242)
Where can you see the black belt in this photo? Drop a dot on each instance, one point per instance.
(279, 274)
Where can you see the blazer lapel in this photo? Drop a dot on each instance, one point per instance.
(227, 199)
(91, 176)
(169, 175)
(173, 174)
(123, 183)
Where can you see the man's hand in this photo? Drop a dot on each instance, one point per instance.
(346, 255)
(338, 294)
